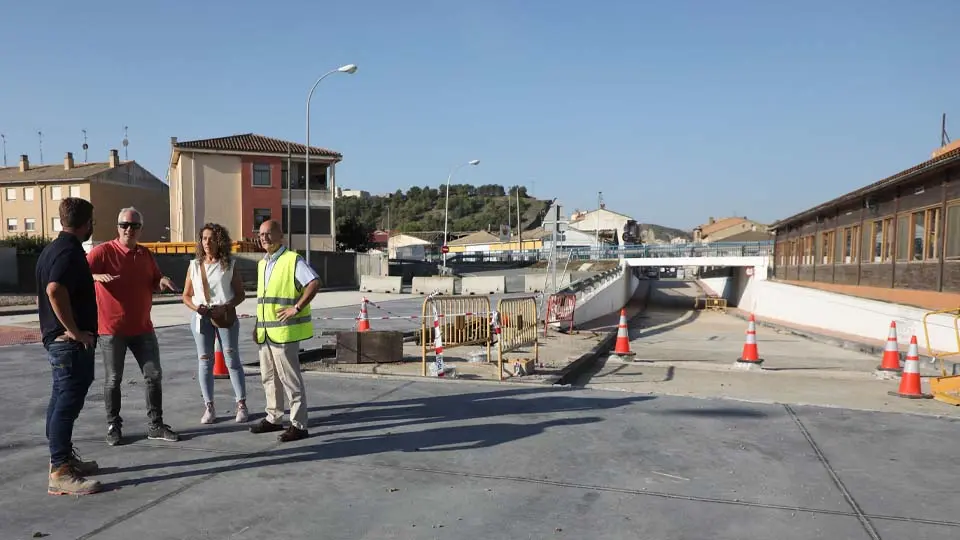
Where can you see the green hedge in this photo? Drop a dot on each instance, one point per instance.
(25, 244)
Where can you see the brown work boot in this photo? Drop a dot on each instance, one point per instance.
(64, 480)
(83, 468)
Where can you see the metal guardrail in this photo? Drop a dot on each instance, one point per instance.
(712, 249)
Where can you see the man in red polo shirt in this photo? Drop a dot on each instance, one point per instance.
(126, 276)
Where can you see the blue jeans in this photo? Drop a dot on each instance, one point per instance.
(229, 345)
(72, 366)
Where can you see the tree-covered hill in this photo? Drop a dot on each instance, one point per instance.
(421, 209)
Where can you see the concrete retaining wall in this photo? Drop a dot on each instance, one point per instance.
(426, 285)
(483, 285)
(534, 283)
(607, 296)
(869, 319)
(380, 284)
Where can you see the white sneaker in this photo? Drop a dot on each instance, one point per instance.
(242, 414)
(210, 415)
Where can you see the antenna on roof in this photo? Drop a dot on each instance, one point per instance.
(4, 139)
(944, 138)
(125, 143)
(40, 136)
(85, 145)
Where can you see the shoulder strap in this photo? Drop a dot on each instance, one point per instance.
(201, 269)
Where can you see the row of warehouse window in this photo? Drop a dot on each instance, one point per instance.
(917, 236)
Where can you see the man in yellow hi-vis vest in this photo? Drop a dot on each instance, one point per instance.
(285, 286)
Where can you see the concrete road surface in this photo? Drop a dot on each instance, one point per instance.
(459, 460)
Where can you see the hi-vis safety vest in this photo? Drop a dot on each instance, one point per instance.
(280, 293)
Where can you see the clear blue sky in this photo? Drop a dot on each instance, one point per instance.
(675, 110)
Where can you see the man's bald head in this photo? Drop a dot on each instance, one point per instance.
(271, 235)
(272, 226)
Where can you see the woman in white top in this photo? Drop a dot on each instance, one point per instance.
(222, 291)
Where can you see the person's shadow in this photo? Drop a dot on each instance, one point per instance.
(392, 426)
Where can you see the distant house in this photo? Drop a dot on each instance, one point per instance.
(724, 229)
(607, 221)
(404, 246)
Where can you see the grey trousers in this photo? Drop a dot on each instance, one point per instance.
(146, 351)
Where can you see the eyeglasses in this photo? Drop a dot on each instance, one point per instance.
(127, 225)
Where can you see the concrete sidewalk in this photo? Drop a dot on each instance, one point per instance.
(424, 460)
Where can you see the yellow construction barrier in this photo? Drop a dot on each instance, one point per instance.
(189, 248)
(518, 328)
(945, 388)
(463, 320)
(711, 303)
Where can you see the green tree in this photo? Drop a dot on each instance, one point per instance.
(353, 235)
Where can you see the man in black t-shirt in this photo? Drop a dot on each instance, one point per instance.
(67, 306)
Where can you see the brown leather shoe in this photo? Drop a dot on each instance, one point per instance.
(265, 426)
(293, 434)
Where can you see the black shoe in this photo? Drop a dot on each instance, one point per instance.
(265, 426)
(293, 434)
(114, 434)
(162, 432)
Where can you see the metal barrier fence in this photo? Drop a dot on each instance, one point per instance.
(560, 308)
(945, 388)
(710, 303)
(462, 321)
(518, 328)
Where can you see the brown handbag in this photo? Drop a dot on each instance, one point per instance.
(229, 317)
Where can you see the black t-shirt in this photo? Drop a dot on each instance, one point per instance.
(64, 261)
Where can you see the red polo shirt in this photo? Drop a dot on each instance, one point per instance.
(124, 304)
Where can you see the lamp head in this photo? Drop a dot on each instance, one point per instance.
(349, 68)
(473, 162)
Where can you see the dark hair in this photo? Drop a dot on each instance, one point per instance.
(221, 238)
(75, 212)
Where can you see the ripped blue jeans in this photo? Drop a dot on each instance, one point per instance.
(205, 334)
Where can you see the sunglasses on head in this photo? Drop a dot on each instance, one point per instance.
(127, 225)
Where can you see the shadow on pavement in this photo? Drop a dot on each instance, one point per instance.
(391, 415)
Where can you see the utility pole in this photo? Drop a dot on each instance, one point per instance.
(599, 206)
(4, 139)
(40, 137)
(289, 223)
(519, 223)
(85, 146)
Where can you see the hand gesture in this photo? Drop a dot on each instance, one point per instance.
(82, 337)
(104, 278)
(167, 285)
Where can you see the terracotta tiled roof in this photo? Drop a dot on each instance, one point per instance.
(51, 173)
(902, 176)
(479, 237)
(707, 230)
(251, 142)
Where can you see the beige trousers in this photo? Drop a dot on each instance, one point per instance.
(280, 374)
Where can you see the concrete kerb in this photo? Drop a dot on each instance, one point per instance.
(577, 367)
(849, 344)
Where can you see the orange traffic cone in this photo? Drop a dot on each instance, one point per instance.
(750, 354)
(891, 353)
(622, 347)
(910, 377)
(364, 324)
(219, 365)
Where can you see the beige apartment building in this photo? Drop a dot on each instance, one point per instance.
(30, 197)
(240, 181)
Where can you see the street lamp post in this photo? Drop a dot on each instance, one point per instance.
(350, 69)
(446, 206)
